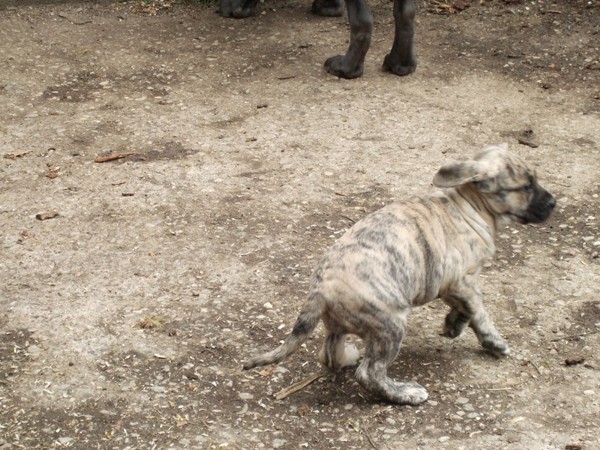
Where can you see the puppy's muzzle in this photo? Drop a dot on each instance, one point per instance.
(540, 208)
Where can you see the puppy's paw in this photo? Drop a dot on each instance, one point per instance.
(451, 332)
(455, 324)
(350, 357)
(410, 393)
(496, 346)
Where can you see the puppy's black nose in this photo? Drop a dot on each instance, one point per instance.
(551, 201)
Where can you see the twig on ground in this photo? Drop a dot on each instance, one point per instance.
(113, 157)
(573, 336)
(74, 22)
(513, 431)
(535, 367)
(368, 437)
(298, 386)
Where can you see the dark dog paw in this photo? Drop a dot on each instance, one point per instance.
(400, 68)
(337, 65)
(328, 8)
(238, 9)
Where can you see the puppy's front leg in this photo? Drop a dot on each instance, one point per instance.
(455, 322)
(467, 308)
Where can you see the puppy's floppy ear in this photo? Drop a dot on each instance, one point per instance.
(456, 173)
(485, 166)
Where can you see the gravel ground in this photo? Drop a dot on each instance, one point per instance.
(133, 289)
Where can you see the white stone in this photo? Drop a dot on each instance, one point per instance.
(246, 396)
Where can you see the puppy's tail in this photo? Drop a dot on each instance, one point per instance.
(305, 324)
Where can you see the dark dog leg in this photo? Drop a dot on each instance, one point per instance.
(241, 9)
(328, 8)
(351, 64)
(402, 60)
(238, 9)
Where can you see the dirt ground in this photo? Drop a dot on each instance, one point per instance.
(132, 290)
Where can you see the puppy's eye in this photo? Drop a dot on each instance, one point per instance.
(527, 187)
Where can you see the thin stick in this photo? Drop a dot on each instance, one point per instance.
(298, 386)
(368, 438)
(73, 21)
(535, 367)
(572, 336)
(513, 431)
(112, 157)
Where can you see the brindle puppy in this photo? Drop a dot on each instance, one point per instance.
(407, 254)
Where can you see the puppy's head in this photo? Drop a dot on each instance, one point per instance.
(503, 181)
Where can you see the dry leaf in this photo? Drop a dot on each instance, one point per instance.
(267, 372)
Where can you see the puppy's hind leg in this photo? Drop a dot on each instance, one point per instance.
(336, 354)
(381, 349)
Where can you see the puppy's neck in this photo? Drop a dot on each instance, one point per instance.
(475, 212)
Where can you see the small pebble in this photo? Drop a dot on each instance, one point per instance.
(278, 443)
